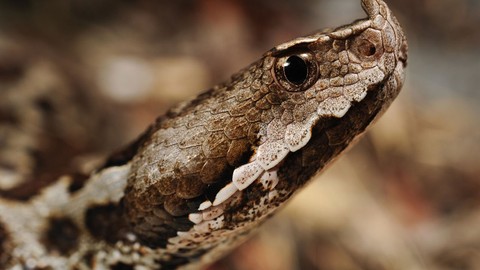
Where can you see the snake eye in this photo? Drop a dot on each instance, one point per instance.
(296, 72)
(295, 69)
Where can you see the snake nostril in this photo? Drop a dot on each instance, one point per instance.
(367, 48)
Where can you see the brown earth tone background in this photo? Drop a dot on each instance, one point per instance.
(406, 197)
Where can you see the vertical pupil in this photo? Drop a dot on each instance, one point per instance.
(296, 70)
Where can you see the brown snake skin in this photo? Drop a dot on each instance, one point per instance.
(212, 169)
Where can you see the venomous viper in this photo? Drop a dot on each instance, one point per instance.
(212, 169)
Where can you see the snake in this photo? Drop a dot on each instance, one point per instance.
(201, 178)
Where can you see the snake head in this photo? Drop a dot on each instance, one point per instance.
(317, 80)
(215, 167)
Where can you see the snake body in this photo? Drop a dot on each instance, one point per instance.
(208, 172)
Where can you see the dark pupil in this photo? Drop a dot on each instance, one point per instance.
(296, 70)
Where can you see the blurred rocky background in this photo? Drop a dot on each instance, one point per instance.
(406, 197)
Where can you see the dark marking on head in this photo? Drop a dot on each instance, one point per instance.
(61, 235)
(177, 207)
(122, 266)
(222, 178)
(154, 226)
(106, 222)
(212, 190)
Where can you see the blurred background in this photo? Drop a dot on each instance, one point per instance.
(406, 197)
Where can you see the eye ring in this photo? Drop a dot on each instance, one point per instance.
(296, 72)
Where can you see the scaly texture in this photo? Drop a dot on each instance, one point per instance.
(210, 170)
